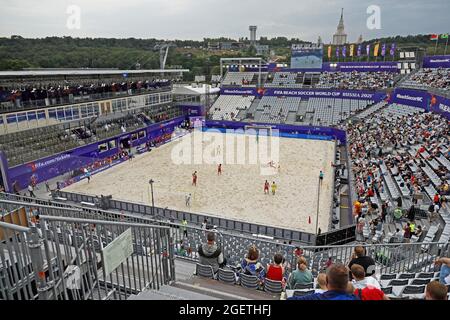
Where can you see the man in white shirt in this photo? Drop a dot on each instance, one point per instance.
(360, 280)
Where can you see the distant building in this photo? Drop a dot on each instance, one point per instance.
(360, 39)
(340, 37)
(229, 45)
(252, 33)
(262, 49)
(213, 45)
(319, 41)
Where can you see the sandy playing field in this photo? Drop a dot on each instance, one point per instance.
(238, 192)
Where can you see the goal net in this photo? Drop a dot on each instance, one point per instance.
(258, 130)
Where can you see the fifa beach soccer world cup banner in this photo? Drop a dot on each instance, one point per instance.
(436, 62)
(307, 93)
(342, 94)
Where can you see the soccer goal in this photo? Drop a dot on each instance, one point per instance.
(258, 130)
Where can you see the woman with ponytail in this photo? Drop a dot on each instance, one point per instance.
(302, 275)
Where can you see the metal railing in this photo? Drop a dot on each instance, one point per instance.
(196, 218)
(21, 105)
(62, 257)
(185, 239)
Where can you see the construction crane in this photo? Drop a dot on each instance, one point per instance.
(163, 53)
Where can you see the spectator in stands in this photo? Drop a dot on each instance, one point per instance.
(210, 254)
(250, 264)
(301, 275)
(16, 187)
(370, 293)
(360, 280)
(275, 270)
(321, 285)
(436, 291)
(444, 264)
(419, 231)
(407, 232)
(398, 236)
(359, 257)
(31, 190)
(337, 284)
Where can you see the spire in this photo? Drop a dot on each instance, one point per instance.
(340, 37)
(341, 21)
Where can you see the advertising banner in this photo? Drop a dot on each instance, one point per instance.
(312, 93)
(415, 98)
(436, 62)
(316, 132)
(238, 91)
(440, 105)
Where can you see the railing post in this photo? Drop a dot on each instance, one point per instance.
(37, 260)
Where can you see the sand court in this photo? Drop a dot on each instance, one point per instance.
(238, 193)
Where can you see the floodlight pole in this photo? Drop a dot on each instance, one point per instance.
(151, 181)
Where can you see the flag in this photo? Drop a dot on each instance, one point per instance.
(383, 50)
(352, 49)
(309, 219)
(444, 36)
(337, 52)
(329, 51)
(368, 49)
(359, 50)
(376, 49)
(392, 51)
(344, 51)
(434, 37)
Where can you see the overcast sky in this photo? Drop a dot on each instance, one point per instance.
(197, 19)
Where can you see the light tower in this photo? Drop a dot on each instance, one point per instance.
(252, 33)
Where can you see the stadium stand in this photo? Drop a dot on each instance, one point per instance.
(397, 159)
(227, 107)
(402, 274)
(429, 78)
(22, 95)
(33, 144)
(240, 79)
(356, 80)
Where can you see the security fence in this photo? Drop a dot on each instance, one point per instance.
(60, 257)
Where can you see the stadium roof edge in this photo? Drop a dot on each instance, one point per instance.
(75, 72)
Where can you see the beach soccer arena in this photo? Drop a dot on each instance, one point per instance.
(249, 157)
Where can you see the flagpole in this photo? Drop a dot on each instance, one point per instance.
(446, 44)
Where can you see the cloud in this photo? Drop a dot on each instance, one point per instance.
(196, 19)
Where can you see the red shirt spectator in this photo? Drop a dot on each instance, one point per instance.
(275, 270)
(370, 293)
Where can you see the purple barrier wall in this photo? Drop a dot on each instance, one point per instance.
(440, 105)
(331, 133)
(422, 99)
(53, 166)
(436, 61)
(193, 110)
(239, 91)
(410, 97)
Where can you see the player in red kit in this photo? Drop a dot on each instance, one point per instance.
(194, 178)
(266, 187)
(219, 170)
